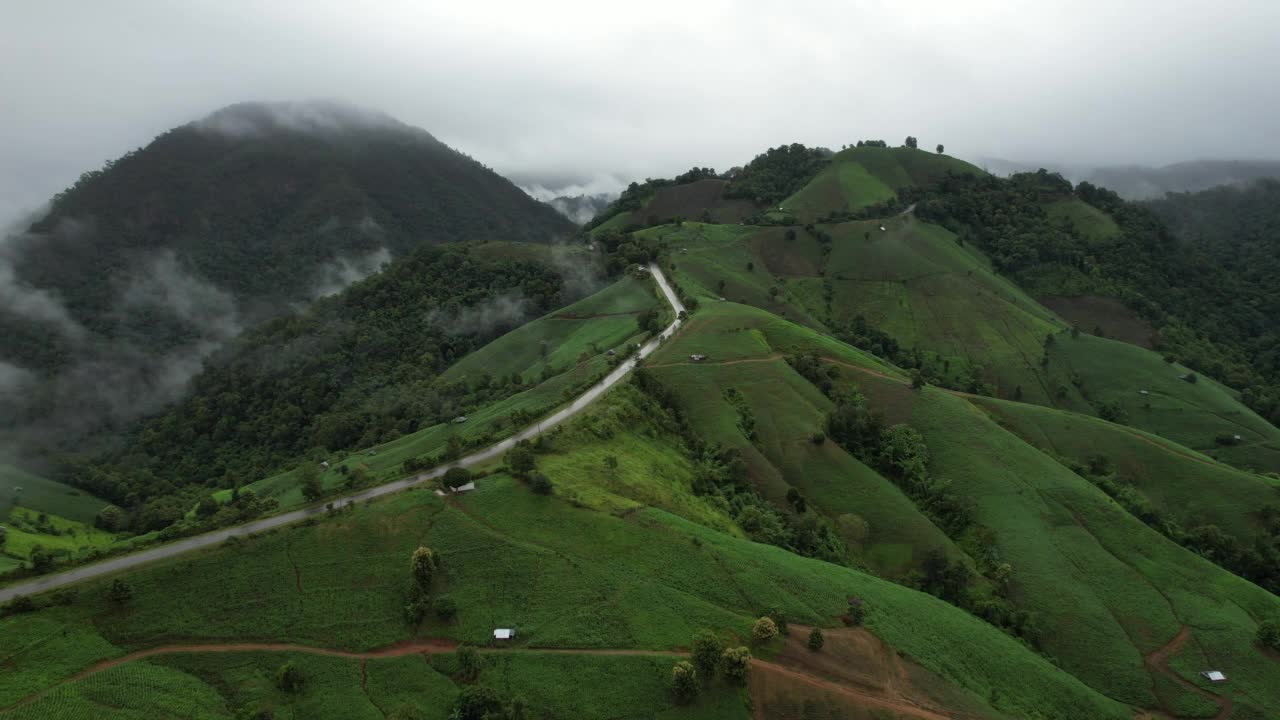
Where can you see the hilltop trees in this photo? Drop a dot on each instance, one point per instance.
(778, 173)
(911, 142)
(940, 148)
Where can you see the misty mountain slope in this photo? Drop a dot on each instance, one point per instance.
(356, 369)
(143, 268)
(1145, 183)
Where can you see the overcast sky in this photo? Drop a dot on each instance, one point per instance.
(582, 90)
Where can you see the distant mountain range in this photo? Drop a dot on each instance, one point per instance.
(1139, 182)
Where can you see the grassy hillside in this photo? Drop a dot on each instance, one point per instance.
(859, 177)
(962, 324)
(1078, 560)
(565, 577)
(1181, 484)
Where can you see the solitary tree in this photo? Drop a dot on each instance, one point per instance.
(684, 681)
(764, 630)
(477, 702)
(911, 142)
(706, 653)
(521, 461)
(120, 592)
(917, 380)
(939, 148)
(816, 641)
(736, 663)
(1269, 634)
(423, 565)
(611, 462)
(309, 481)
(540, 484)
(289, 678)
(456, 477)
(469, 664)
(110, 518)
(444, 607)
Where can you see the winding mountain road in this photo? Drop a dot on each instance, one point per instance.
(124, 562)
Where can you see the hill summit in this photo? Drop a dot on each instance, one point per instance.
(145, 266)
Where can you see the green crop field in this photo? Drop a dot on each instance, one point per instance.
(1181, 483)
(565, 337)
(565, 576)
(1094, 223)
(44, 495)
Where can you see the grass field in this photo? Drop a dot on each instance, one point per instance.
(1089, 220)
(1080, 561)
(1181, 483)
(26, 528)
(565, 337)
(564, 576)
(861, 176)
(44, 495)
(916, 283)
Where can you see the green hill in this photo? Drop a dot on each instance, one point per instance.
(143, 268)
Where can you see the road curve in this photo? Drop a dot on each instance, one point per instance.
(116, 564)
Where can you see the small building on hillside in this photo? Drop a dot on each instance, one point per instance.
(696, 357)
(504, 634)
(324, 464)
(610, 352)
(1144, 392)
(465, 487)
(460, 419)
(1213, 676)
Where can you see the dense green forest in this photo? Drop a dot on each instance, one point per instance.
(1213, 313)
(355, 369)
(254, 205)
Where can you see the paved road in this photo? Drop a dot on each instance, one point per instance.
(49, 582)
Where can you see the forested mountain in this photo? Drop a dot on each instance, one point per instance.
(355, 369)
(142, 268)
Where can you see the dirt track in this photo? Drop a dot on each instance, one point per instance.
(431, 646)
(1157, 661)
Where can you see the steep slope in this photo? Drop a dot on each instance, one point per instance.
(1099, 589)
(358, 368)
(567, 577)
(143, 268)
(926, 300)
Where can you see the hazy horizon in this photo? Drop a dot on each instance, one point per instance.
(569, 94)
